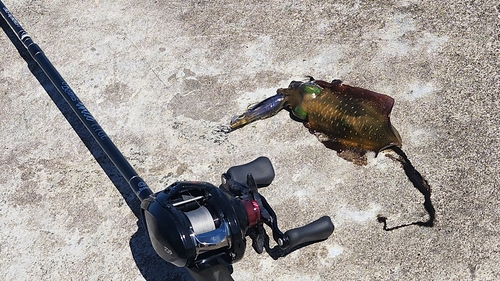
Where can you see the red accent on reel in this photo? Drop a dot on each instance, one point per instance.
(253, 212)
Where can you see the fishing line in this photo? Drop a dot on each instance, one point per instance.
(201, 220)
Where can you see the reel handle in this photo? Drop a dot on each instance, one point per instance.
(260, 168)
(315, 231)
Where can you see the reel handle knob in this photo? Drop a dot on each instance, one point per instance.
(315, 231)
(260, 168)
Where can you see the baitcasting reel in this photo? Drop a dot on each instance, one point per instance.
(198, 225)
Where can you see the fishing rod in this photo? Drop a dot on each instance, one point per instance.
(194, 225)
(137, 184)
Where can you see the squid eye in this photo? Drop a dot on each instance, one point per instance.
(310, 89)
(300, 113)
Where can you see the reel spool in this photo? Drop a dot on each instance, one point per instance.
(201, 220)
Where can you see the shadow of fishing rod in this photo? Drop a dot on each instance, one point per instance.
(151, 266)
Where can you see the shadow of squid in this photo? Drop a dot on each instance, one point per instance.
(349, 120)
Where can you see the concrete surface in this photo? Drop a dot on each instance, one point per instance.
(160, 76)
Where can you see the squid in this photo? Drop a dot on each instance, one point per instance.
(347, 119)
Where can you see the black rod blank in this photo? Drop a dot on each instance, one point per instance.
(138, 185)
